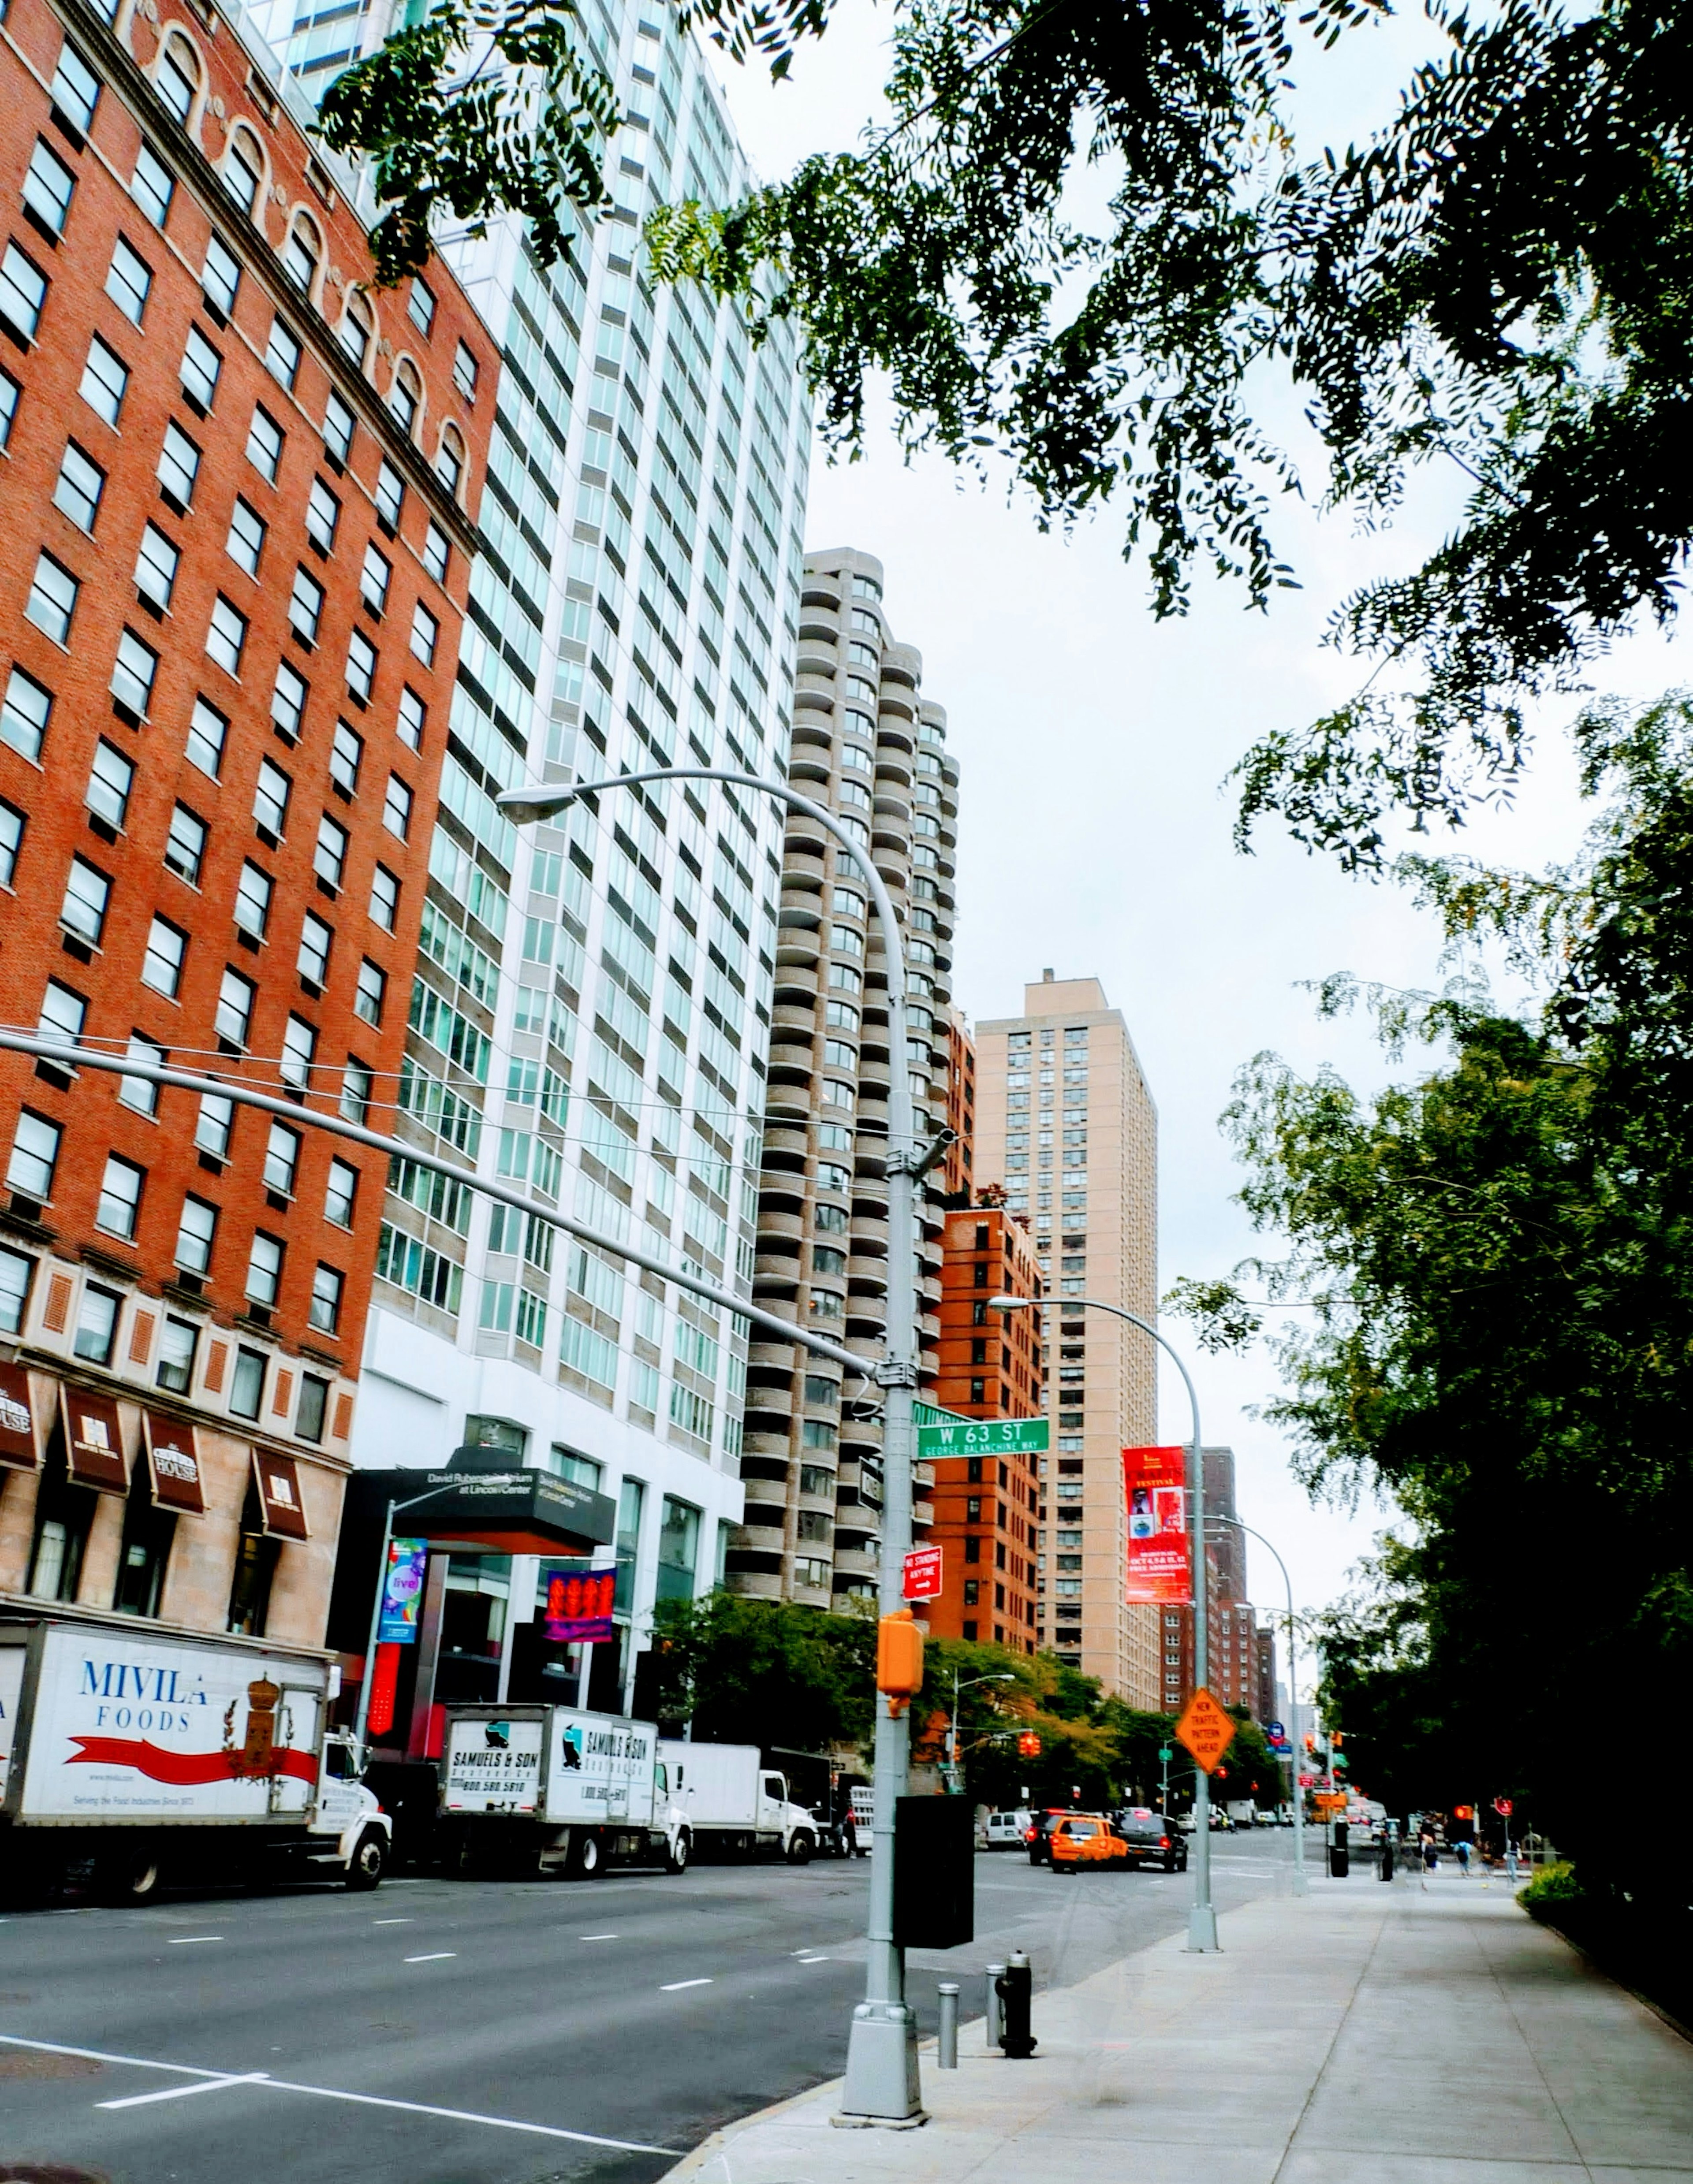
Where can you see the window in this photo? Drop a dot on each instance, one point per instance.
(207, 730)
(341, 1193)
(247, 1382)
(357, 1088)
(177, 1343)
(97, 1325)
(87, 893)
(62, 1013)
(235, 999)
(153, 185)
(287, 700)
(465, 372)
(132, 674)
(282, 353)
(105, 381)
(48, 187)
(35, 1156)
(324, 1313)
(221, 278)
(426, 634)
(282, 1159)
(368, 1000)
(245, 545)
(264, 439)
(80, 483)
(437, 553)
(53, 599)
(420, 307)
(329, 861)
(23, 291)
(141, 1093)
(357, 325)
(339, 427)
(405, 396)
(156, 565)
(303, 253)
(110, 779)
(384, 898)
(312, 1408)
(75, 89)
(16, 1269)
(128, 281)
(201, 366)
(167, 949)
(362, 664)
(179, 465)
(10, 390)
(264, 1270)
(315, 940)
(243, 170)
(322, 516)
(271, 796)
(299, 1050)
(346, 757)
(449, 460)
(177, 77)
(413, 716)
(118, 1207)
(11, 840)
(374, 578)
(305, 606)
(23, 714)
(253, 900)
(227, 638)
(214, 1123)
(390, 493)
(396, 812)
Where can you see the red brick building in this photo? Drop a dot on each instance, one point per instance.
(958, 1171)
(989, 1366)
(236, 488)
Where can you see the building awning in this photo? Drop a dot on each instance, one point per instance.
(279, 1495)
(20, 1442)
(94, 1441)
(175, 1463)
(492, 1512)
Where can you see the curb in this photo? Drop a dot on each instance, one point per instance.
(709, 2149)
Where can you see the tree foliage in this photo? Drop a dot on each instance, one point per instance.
(764, 1672)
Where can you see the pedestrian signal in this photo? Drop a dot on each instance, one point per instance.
(1029, 1744)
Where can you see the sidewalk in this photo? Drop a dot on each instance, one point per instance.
(1392, 2034)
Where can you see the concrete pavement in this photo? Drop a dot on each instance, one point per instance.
(1404, 2034)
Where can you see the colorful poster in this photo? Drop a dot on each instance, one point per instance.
(578, 1605)
(403, 1592)
(1154, 1484)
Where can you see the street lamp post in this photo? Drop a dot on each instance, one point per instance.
(1301, 1886)
(393, 1510)
(1202, 1917)
(881, 2081)
(969, 1684)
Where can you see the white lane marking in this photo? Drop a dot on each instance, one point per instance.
(184, 2092)
(189, 1941)
(434, 1957)
(335, 2093)
(391, 1922)
(596, 1937)
(816, 1960)
(675, 1987)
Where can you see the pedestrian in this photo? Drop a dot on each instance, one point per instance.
(1463, 1856)
(1431, 1856)
(1510, 1859)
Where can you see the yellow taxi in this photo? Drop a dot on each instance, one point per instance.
(1081, 1839)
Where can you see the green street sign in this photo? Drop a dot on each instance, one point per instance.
(1163, 1751)
(983, 1437)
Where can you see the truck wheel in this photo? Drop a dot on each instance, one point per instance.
(676, 1854)
(131, 1877)
(369, 1861)
(587, 1857)
(800, 1849)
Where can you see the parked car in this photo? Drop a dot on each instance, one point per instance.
(1080, 1839)
(1009, 1830)
(1151, 1838)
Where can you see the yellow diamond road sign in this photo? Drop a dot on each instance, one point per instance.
(1205, 1728)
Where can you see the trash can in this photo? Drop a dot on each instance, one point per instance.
(1339, 1860)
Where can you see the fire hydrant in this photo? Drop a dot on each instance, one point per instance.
(1015, 1989)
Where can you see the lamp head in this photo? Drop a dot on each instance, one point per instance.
(523, 807)
(1010, 1304)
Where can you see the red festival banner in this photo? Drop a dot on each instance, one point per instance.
(1154, 1484)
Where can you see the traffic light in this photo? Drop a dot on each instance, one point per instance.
(1029, 1744)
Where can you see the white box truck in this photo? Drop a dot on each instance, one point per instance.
(550, 1789)
(733, 1804)
(138, 1754)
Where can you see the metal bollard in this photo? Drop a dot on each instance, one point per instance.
(994, 2026)
(948, 2044)
(1016, 1991)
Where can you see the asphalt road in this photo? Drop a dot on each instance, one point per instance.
(490, 2032)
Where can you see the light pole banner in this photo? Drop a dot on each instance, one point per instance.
(1154, 1483)
(402, 1593)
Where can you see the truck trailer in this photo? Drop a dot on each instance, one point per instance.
(555, 1789)
(732, 1804)
(134, 1755)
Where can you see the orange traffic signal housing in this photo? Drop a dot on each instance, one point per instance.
(1029, 1744)
(899, 1659)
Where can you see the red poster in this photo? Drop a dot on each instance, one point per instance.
(1154, 1483)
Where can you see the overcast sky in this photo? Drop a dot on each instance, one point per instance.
(1094, 824)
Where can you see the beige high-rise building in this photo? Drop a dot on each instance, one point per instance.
(1065, 1121)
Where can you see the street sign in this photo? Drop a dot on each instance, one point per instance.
(1165, 1752)
(1503, 1806)
(1275, 1732)
(1205, 1728)
(923, 1574)
(983, 1437)
(1307, 1781)
(1330, 1801)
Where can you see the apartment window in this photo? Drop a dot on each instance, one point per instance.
(110, 780)
(80, 483)
(11, 840)
(367, 1001)
(201, 366)
(270, 795)
(426, 632)
(221, 276)
(118, 1207)
(23, 714)
(341, 1193)
(346, 757)
(227, 638)
(265, 438)
(207, 731)
(179, 465)
(465, 372)
(287, 700)
(358, 1090)
(87, 895)
(177, 78)
(128, 281)
(390, 494)
(282, 353)
(678, 1550)
(177, 1342)
(35, 1156)
(437, 553)
(339, 427)
(161, 966)
(420, 307)
(153, 185)
(53, 599)
(214, 1125)
(396, 811)
(299, 1050)
(156, 564)
(75, 89)
(329, 861)
(97, 1325)
(141, 1093)
(23, 291)
(234, 1018)
(322, 516)
(313, 1408)
(413, 716)
(316, 939)
(362, 664)
(253, 893)
(264, 1270)
(247, 1382)
(384, 898)
(48, 187)
(324, 1312)
(63, 1012)
(105, 382)
(305, 606)
(282, 1159)
(303, 253)
(449, 460)
(356, 328)
(132, 673)
(245, 545)
(405, 398)
(374, 579)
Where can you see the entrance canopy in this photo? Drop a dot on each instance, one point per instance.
(506, 1512)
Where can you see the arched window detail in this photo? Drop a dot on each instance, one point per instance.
(178, 76)
(358, 327)
(302, 254)
(449, 460)
(244, 169)
(405, 396)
